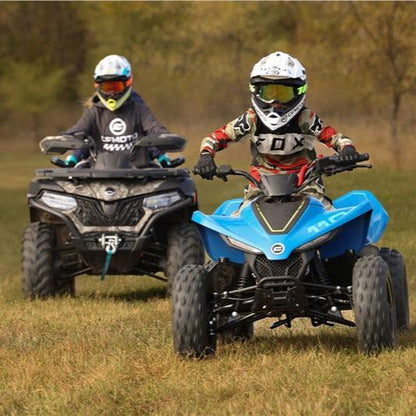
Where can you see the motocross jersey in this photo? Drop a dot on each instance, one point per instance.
(285, 149)
(118, 130)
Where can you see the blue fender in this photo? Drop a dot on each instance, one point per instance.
(358, 215)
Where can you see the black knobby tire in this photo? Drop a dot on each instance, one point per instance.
(373, 304)
(398, 275)
(39, 279)
(241, 333)
(190, 313)
(184, 246)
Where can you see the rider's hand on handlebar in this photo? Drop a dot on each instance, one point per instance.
(348, 155)
(70, 161)
(205, 166)
(164, 160)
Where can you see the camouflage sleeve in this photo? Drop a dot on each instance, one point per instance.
(310, 123)
(232, 132)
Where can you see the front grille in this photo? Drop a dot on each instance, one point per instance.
(126, 212)
(289, 267)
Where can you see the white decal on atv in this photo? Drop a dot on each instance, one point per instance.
(283, 144)
(117, 126)
(327, 222)
(277, 248)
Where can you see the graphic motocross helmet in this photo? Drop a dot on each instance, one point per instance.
(113, 81)
(278, 86)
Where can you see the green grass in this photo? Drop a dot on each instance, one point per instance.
(109, 351)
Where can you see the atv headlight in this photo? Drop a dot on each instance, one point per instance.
(58, 201)
(242, 246)
(324, 238)
(161, 200)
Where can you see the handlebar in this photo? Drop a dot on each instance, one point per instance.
(328, 166)
(332, 165)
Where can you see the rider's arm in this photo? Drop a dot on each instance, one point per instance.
(83, 125)
(310, 123)
(150, 126)
(231, 132)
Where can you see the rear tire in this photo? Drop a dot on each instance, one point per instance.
(184, 247)
(190, 313)
(373, 305)
(39, 277)
(398, 275)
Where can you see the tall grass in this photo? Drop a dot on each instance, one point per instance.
(109, 350)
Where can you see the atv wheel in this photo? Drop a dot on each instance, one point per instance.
(39, 279)
(398, 275)
(184, 247)
(373, 304)
(190, 314)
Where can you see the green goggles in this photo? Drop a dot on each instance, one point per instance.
(280, 93)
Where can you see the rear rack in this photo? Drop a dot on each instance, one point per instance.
(71, 173)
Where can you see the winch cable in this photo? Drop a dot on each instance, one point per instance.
(110, 244)
(107, 262)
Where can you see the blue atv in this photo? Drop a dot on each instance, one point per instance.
(285, 255)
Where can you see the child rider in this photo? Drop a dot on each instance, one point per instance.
(282, 130)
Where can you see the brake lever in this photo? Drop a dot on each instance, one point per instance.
(223, 177)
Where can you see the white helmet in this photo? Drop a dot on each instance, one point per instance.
(113, 81)
(278, 86)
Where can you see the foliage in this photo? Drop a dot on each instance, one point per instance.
(192, 60)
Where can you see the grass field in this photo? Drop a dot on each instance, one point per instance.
(109, 351)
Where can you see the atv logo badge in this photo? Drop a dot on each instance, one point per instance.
(110, 192)
(277, 248)
(118, 126)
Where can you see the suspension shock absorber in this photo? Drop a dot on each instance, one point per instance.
(242, 282)
(323, 277)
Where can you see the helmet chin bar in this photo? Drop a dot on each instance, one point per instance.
(271, 119)
(111, 103)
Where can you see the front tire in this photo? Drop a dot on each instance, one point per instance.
(373, 305)
(190, 313)
(398, 275)
(39, 277)
(184, 247)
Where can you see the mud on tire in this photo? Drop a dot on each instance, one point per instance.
(190, 320)
(184, 246)
(39, 277)
(373, 304)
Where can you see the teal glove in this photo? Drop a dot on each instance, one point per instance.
(164, 160)
(71, 161)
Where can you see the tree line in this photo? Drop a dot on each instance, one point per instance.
(196, 57)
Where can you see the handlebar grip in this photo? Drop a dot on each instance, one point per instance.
(362, 157)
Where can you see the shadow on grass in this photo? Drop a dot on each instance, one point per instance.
(334, 342)
(407, 338)
(345, 341)
(141, 295)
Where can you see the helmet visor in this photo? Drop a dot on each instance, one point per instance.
(115, 87)
(269, 93)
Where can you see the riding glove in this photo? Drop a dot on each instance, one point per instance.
(348, 154)
(164, 160)
(206, 166)
(71, 161)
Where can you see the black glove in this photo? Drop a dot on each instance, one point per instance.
(206, 166)
(348, 155)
